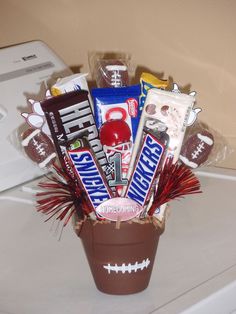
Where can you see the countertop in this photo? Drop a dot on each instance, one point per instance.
(196, 258)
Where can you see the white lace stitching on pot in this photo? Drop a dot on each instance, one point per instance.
(127, 268)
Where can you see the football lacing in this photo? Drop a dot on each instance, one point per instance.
(198, 150)
(116, 79)
(39, 148)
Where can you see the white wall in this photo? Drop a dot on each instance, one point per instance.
(191, 41)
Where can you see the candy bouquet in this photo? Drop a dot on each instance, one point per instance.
(113, 162)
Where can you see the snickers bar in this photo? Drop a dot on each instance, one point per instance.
(145, 169)
(89, 175)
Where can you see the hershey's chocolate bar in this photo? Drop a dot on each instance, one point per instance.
(69, 116)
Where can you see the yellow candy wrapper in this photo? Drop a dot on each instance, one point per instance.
(148, 81)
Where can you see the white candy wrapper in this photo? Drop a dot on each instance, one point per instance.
(71, 83)
(172, 110)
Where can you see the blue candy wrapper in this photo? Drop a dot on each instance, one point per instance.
(117, 103)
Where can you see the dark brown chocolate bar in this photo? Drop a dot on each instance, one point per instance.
(69, 117)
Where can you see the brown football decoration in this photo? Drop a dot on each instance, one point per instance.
(38, 147)
(196, 150)
(112, 73)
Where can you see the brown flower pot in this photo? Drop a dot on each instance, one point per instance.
(121, 260)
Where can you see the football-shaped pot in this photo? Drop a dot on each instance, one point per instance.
(121, 260)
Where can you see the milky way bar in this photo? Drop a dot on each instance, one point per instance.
(145, 169)
(89, 175)
(69, 116)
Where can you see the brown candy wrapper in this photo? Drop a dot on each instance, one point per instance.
(70, 116)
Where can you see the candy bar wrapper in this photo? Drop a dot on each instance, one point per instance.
(203, 146)
(172, 111)
(88, 173)
(118, 103)
(117, 116)
(145, 170)
(71, 83)
(69, 116)
(110, 70)
(148, 81)
(115, 136)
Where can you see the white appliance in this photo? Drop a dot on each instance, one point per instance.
(25, 71)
